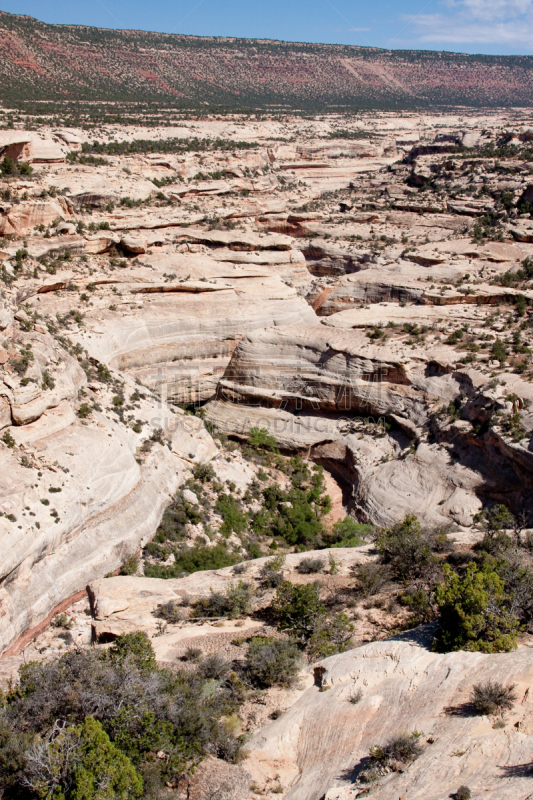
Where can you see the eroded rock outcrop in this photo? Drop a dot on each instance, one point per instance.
(21, 218)
(76, 497)
(319, 747)
(314, 284)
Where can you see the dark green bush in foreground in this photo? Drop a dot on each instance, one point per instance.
(474, 612)
(96, 720)
(272, 661)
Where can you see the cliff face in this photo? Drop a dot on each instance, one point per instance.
(39, 61)
(282, 282)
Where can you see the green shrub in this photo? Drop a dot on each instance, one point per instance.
(517, 575)
(295, 515)
(356, 697)
(473, 612)
(21, 364)
(403, 748)
(348, 533)
(47, 382)
(136, 650)
(234, 520)
(499, 351)
(270, 573)
(463, 793)
(521, 304)
(418, 602)
(455, 337)
(308, 566)
(332, 634)
(130, 566)
(298, 519)
(81, 763)
(62, 621)
(203, 473)
(492, 697)
(494, 523)
(8, 166)
(8, 439)
(84, 411)
(235, 602)
(193, 654)
(298, 610)
(120, 709)
(297, 607)
(262, 440)
(194, 559)
(271, 662)
(169, 612)
(213, 667)
(371, 578)
(14, 745)
(405, 550)
(393, 756)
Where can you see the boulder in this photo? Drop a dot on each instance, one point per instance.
(190, 497)
(134, 244)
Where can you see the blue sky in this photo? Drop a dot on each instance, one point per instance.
(470, 26)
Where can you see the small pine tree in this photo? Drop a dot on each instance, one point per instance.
(499, 351)
(134, 646)
(104, 772)
(473, 612)
(297, 607)
(404, 549)
(260, 438)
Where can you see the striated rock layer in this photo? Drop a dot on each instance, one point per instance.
(319, 747)
(366, 410)
(357, 285)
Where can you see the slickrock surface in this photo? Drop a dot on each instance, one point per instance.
(316, 386)
(321, 744)
(81, 502)
(342, 282)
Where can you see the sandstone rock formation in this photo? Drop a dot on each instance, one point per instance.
(319, 747)
(22, 218)
(300, 277)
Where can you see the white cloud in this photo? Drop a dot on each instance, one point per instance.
(494, 9)
(508, 22)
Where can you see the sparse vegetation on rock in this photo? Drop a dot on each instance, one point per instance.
(492, 697)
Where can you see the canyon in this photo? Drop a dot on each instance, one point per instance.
(355, 286)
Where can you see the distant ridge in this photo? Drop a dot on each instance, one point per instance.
(70, 62)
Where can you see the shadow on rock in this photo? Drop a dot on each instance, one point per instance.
(423, 636)
(518, 771)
